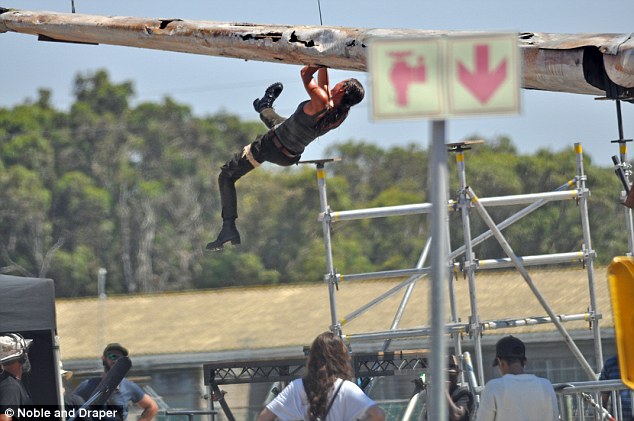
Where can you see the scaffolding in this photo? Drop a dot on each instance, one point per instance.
(386, 362)
(624, 171)
(465, 202)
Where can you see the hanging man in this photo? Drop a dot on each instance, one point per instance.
(286, 139)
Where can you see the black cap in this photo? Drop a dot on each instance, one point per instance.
(115, 347)
(509, 347)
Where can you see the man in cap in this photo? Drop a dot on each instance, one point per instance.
(14, 360)
(126, 392)
(516, 395)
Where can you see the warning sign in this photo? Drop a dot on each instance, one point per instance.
(406, 78)
(439, 77)
(484, 75)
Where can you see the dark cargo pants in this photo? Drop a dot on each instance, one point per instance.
(261, 150)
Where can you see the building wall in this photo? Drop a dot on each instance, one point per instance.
(181, 386)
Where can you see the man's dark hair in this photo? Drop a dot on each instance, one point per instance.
(353, 94)
(513, 360)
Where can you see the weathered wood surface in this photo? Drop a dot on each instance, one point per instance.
(594, 64)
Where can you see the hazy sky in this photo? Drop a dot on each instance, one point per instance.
(210, 84)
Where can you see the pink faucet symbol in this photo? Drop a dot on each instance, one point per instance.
(402, 75)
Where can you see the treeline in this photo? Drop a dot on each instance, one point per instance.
(133, 190)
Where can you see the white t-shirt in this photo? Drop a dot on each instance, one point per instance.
(292, 403)
(518, 397)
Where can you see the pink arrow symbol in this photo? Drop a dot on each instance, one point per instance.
(482, 83)
(402, 75)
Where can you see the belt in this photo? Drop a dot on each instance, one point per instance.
(282, 148)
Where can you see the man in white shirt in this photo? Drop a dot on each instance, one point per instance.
(516, 396)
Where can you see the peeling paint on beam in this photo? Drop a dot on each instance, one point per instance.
(595, 64)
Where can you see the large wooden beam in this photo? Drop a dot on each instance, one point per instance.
(594, 64)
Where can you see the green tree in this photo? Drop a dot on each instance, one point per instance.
(80, 211)
(102, 96)
(25, 229)
(133, 189)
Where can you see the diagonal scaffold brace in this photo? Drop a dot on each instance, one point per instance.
(529, 281)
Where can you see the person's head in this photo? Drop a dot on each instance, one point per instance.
(111, 353)
(328, 357)
(344, 95)
(347, 93)
(510, 352)
(14, 355)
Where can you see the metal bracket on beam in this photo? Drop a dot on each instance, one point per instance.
(49, 39)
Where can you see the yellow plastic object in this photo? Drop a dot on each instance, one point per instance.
(621, 281)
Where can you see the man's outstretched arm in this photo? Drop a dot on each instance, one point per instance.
(149, 406)
(319, 97)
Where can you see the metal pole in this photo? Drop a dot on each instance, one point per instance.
(467, 366)
(407, 295)
(522, 270)
(461, 328)
(544, 259)
(404, 333)
(627, 170)
(396, 273)
(101, 292)
(439, 181)
(469, 266)
(453, 307)
(331, 275)
(425, 208)
(585, 224)
(57, 360)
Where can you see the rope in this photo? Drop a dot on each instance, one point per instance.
(321, 22)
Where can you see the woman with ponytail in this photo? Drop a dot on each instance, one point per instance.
(326, 392)
(286, 139)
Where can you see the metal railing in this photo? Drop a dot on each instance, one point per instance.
(581, 401)
(189, 413)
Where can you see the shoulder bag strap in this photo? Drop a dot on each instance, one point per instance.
(333, 399)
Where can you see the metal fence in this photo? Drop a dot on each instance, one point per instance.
(578, 401)
(581, 401)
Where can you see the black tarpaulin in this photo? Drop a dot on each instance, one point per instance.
(26, 304)
(27, 307)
